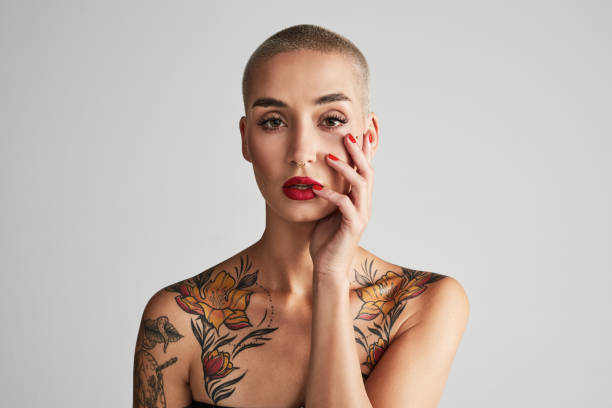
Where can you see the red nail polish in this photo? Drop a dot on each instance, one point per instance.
(351, 138)
(370, 138)
(331, 156)
(317, 187)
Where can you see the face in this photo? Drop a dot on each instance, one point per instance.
(301, 105)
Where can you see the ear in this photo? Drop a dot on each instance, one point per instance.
(245, 148)
(371, 127)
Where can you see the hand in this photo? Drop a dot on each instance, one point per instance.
(335, 239)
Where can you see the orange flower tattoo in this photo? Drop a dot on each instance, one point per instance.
(218, 301)
(385, 297)
(387, 292)
(222, 301)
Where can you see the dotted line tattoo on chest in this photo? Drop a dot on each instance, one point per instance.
(269, 316)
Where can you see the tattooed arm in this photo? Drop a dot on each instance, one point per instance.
(161, 363)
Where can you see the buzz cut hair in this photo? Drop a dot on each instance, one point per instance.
(309, 37)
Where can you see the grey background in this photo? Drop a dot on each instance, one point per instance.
(122, 173)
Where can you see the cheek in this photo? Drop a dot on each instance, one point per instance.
(266, 159)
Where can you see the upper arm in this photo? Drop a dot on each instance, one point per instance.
(413, 370)
(161, 358)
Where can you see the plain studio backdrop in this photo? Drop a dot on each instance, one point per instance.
(122, 173)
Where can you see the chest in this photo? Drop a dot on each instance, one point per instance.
(266, 362)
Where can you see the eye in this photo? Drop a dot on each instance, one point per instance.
(335, 117)
(271, 123)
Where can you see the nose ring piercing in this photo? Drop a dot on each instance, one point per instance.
(299, 163)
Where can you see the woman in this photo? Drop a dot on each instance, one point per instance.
(304, 316)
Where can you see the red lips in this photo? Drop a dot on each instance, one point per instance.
(300, 180)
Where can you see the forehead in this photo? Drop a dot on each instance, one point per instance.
(302, 76)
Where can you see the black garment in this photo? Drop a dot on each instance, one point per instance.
(198, 404)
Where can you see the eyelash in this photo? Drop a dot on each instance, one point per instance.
(334, 116)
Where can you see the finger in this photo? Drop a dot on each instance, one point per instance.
(358, 156)
(367, 146)
(344, 203)
(365, 170)
(367, 149)
(359, 185)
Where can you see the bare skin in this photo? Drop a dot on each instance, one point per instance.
(277, 370)
(305, 315)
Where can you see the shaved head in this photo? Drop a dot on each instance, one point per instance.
(315, 38)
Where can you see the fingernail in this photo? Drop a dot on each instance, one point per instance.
(317, 187)
(331, 156)
(351, 138)
(370, 137)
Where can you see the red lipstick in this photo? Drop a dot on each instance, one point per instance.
(300, 188)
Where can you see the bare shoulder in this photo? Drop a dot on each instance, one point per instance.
(408, 315)
(407, 294)
(166, 345)
(439, 298)
(163, 354)
(164, 324)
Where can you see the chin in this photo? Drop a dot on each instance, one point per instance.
(300, 211)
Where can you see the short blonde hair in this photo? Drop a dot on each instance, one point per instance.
(309, 37)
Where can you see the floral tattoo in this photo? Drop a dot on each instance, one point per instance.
(384, 298)
(220, 304)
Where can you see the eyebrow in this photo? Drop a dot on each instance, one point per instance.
(332, 97)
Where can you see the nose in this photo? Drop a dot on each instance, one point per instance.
(303, 145)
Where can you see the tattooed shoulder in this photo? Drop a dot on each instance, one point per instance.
(216, 302)
(386, 293)
(160, 359)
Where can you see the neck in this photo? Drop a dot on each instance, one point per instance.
(283, 252)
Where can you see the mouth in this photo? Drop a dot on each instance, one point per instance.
(301, 186)
(301, 183)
